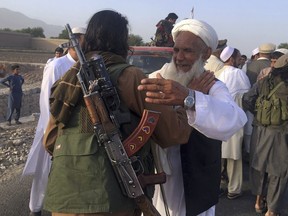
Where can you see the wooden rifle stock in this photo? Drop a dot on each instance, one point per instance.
(146, 206)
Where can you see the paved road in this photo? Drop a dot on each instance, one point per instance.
(14, 198)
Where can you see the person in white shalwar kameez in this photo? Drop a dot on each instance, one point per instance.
(39, 161)
(215, 114)
(237, 83)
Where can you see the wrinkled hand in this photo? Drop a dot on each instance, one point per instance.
(163, 91)
(203, 83)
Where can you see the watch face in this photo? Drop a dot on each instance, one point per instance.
(189, 102)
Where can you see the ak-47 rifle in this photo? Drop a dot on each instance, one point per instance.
(102, 101)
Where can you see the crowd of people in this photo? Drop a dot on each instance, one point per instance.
(216, 106)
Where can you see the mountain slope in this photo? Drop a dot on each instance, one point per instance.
(16, 20)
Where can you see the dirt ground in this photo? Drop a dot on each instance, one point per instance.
(31, 63)
(16, 140)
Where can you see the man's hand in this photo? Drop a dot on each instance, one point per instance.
(203, 83)
(163, 91)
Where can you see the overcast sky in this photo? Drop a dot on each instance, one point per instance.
(244, 23)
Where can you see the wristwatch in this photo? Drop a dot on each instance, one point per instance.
(189, 101)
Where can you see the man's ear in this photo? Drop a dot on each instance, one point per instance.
(207, 53)
(231, 61)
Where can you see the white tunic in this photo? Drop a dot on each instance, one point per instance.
(237, 83)
(39, 161)
(217, 116)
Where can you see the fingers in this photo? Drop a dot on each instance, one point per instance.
(152, 84)
(203, 83)
(150, 87)
(207, 77)
(155, 95)
(159, 76)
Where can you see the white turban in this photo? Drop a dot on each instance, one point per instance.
(198, 28)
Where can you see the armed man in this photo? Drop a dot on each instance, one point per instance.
(90, 175)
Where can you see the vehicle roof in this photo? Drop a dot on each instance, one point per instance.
(152, 48)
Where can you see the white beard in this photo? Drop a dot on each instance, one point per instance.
(184, 78)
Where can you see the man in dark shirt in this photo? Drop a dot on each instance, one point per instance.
(163, 37)
(14, 82)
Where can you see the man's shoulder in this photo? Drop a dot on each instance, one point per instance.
(161, 22)
(258, 65)
(133, 73)
(50, 60)
(61, 60)
(213, 64)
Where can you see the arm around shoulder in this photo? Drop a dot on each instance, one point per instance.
(216, 115)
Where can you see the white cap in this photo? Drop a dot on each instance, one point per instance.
(255, 51)
(78, 30)
(282, 50)
(226, 53)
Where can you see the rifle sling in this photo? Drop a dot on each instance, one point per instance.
(142, 133)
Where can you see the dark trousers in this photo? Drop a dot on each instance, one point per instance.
(10, 113)
(13, 104)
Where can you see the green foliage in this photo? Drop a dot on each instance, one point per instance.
(135, 40)
(34, 32)
(283, 45)
(64, 34)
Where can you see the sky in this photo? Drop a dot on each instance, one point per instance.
(246, 24)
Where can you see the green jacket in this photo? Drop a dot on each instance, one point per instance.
(82, 179)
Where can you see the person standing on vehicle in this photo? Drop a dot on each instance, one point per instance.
(163, 37)
(14, 82)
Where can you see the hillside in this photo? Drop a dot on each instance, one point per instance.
(16, 20)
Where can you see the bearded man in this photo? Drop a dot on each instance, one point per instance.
(193, 170)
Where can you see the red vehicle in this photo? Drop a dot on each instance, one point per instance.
(149, 58)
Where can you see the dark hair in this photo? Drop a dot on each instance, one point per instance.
(107, 31)
(172, 16)
(14, 66)
(244, 56)
(59, 49)
(276, 55)
(235, 53)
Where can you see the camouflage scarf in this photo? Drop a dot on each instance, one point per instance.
(66, 93)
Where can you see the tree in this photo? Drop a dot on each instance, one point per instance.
(283, 45)
(64, 34)
(135, 40)
(6, 29)
(34, 32)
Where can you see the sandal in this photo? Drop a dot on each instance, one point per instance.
(262, 208)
